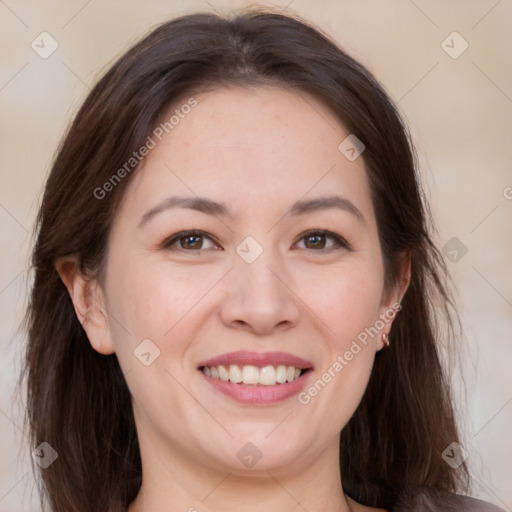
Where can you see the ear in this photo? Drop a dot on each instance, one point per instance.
(89, 303)
(392, 298)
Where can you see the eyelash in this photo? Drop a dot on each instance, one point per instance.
(339, 241)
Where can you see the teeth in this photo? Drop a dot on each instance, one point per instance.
(235, 374)
(280, 374)
(267, 376)
(223, 373)
(249, 374)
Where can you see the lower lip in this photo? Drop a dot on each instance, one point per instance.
(257, 394)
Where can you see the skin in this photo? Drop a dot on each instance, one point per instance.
(258, 150)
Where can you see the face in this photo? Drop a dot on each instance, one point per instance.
(246, 248)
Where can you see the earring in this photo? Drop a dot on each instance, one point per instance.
(385, 339)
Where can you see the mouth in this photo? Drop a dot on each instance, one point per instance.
(257, 378)
(252, 375)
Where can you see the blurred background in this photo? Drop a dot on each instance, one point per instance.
(447, 66)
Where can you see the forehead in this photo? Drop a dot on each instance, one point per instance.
(249, 146)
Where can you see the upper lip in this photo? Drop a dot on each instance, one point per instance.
(259, 359)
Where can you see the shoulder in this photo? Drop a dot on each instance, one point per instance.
(431, 500)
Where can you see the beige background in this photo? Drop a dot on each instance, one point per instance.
(459, 111)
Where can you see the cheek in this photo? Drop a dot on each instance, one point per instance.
(348, 305)
(152, 300)
(351, 315)
(150, 303)
(347, 300)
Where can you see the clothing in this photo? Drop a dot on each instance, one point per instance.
(438, 501)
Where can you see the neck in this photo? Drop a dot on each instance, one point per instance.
(183, 485)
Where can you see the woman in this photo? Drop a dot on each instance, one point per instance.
(236, 290)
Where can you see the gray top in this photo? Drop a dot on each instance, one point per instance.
(438, 501)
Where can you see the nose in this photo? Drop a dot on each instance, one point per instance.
(259, 296)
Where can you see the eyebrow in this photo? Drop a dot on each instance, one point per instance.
(210, 207)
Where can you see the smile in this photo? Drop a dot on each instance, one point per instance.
(257, 378)
(249, 374)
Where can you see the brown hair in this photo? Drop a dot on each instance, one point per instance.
(78, 400)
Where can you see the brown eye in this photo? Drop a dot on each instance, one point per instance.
(191, 241)
(315, 241)
(318, 240)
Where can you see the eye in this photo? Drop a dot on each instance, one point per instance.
(191, 241)
(317, 240)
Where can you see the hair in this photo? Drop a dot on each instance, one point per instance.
(78, 400)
